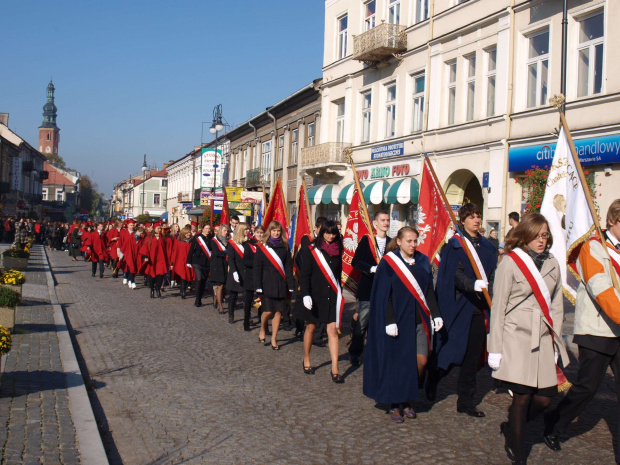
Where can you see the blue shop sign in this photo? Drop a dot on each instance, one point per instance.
(386, 151)
(591, 151)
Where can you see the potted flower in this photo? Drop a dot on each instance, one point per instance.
(8, 301)
(5, 343)
(13, 279)
(15, 258)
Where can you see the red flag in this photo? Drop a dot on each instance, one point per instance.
(302, 224)
(276, 211)
(357, 228)
(433, 218)
(225, 216)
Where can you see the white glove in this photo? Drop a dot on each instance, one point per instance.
(494, 361)
(120, 254)
(556, 357)
(291, 290)
(437, 324)
(373, 269)
(236, 276)
(259, 291)
(480, 284)
(308, 302)
(391, 330)
(189, 266)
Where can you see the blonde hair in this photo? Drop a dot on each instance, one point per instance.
(239, 236)
(273, 225)
(184, 231)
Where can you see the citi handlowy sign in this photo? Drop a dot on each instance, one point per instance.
(603, 150)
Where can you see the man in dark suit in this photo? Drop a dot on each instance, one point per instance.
(364, 261)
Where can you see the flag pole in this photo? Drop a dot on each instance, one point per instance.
(306, 203)
(470, 257)
(584, 183)
(358, 187)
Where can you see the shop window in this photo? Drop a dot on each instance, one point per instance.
(538, 69)
(590, 55)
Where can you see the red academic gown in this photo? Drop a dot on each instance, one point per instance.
(112, 237)
(180, 270)
(131, 251)
(155, 250)
(97, 244)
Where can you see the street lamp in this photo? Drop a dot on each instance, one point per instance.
(143, 183)
(216, 127)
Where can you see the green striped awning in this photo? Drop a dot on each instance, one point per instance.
(346, 194)
(325, 194)
(403, 191)
(375, 192)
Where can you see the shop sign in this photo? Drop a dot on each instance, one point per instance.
(234, 194)
(211, 168)
(386, 171)
(386, 151)
(186, 206)
(16, 174)
(591, 151)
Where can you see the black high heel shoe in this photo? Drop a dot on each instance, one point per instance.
(504, 431)
(308, 370)
(336, 378)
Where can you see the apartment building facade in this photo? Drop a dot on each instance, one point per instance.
(466, 82)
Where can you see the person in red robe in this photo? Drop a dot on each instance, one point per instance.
(180, 271)
(112, 237)
(96, 244)
(131, 257)
(123, 243)
(154, 260)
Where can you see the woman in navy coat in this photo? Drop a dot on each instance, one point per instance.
(399, 327)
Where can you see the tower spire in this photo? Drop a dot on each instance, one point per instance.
(49, 109)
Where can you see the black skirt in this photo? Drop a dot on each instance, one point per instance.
(271, 304)
(528, 390)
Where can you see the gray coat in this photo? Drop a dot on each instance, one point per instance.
(519, 330)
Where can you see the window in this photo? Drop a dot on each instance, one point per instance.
(310, 134)
(451, 91)
(340, 121)
(394, 12)
(48, 136)
(164, 183)
(342, 36)
(418, 102)
(537, 69)
(294, 146)
(280, 158)
(156, 199)
(60, 195)
(491, 73)
(266, 157)
(255, 163)
(44, 193)
(366, 115)
(590, 55)
(390, 110)
(421, 10)
(245, 162)
(471, 86)
(369, 14)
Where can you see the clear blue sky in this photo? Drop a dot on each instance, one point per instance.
(140, 76)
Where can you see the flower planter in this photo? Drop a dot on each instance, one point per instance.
(20, 264)
(16, 287)
(7, 317)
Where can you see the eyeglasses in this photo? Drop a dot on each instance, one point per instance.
(543, 236)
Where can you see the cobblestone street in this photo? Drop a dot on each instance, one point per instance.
(171, 383)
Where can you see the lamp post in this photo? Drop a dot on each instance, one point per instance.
(216, 127)
(143, 183)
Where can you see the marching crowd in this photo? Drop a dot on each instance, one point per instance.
(417, 321)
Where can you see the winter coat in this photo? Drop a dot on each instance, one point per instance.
(154, 250)
(249, 252)
(197, 256)
(267, 277)
(519, 330)
(314, 284)
(235, 264)
(219, 263)
(178, 260)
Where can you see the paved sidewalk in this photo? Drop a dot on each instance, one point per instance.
(41, 409)
(177, 384)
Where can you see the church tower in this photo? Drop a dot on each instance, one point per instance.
(48, 132)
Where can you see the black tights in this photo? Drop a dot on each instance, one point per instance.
(248, 298)
(524, 408)
(156, 282)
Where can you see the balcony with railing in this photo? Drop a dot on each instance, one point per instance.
(184, 197)
(380, 42)
(325, 160)
(258, 177)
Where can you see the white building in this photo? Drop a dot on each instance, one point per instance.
(468, 83)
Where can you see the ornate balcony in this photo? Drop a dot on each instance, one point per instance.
(257, 177)
(380, 42)
(184, 197)
(325, 160)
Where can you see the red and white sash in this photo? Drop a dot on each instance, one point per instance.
(474, 254)
(535, 280)
(331, 279)
(237, 248)
(252, 247)
(220, 246)
(412, 285)
(272, 256)
(203, 246)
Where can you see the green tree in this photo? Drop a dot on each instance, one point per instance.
(56, 160)
(90, 199)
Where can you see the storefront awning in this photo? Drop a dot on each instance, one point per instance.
(346, 194)
(325, 194)
(375, 192)
(403, 191)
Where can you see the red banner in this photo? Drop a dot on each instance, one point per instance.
(225, 216)
(276, 211)
(433, 218)
(302, 224)
(356, 229)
